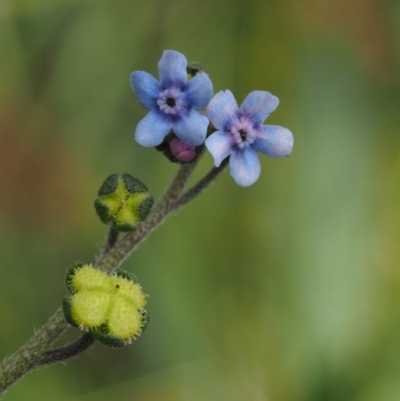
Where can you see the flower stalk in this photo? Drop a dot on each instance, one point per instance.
(176, 124)
(35, 352)
(27, 357)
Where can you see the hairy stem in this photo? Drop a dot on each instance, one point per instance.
(25, 359)
(69, 351)
(34, 353)
(201, 185)
(112, 238)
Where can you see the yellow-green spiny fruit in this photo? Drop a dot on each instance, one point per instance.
(111, 307)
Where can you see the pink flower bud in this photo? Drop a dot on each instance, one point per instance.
(182, 151)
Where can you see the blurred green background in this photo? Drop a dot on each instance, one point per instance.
(288, 290)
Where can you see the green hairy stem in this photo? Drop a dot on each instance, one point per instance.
(36, 352)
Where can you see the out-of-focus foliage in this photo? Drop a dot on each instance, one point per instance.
(285, 291)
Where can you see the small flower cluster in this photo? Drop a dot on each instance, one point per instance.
(111, 308)
(174, 117)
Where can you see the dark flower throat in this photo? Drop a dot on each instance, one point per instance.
(170, 102)
(243, 135)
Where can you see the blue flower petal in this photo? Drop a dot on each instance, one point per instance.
(222, 109)
(152, 129)
(274, 141)
(146, 88)
(219, 144)
(191, 128)
(245, 166)
(172, 68)
(258, 105)
(199, 91)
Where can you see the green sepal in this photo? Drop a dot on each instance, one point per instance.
(101, 334)
(102, 211)
(145, 207)
(193, 68)
(70, 274)
(145, 319)
(125, 228)
(133, 185)
(109, 185)
(67, 309)
(128, 275)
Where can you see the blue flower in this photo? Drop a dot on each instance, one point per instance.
(172, 102)
(241, 133)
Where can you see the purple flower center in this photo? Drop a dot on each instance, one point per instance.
(170, 101)
(243, 132)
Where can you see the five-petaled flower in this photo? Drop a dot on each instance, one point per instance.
(173, 102)
(241, 133)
